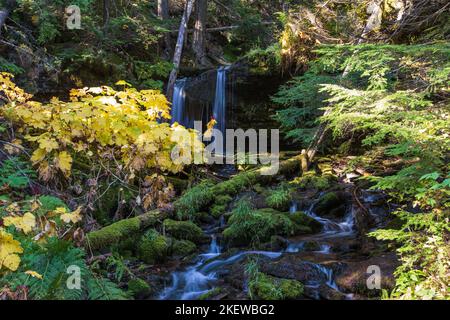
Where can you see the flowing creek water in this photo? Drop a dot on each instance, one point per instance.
(200, 277)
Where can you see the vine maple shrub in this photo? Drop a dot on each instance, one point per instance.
(126, 128)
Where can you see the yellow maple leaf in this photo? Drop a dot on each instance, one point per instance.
(48, 144)
(26, 223)
(64, 162)
(38, 155)
(9, 250)
(73, 217)
(34, 274)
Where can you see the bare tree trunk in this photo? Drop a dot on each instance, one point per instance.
(198, 42)
(179, 48)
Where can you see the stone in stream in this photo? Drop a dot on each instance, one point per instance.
(332, 204)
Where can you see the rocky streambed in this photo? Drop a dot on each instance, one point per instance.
(330, 261)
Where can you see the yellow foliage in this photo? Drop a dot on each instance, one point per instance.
(26, 223)
(99, 123)
(34, 274)
(9, 250)
(72, 217)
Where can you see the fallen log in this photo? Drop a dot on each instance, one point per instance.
(122, 230)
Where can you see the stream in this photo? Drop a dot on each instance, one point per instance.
(200, 277)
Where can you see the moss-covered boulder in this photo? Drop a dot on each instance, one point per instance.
(139, 288)
(183, 248)
(331, 203)
(267, 287)
(304, 223)
(183, 230)
(247, 225)
(210, 294)
(153, 247)
(311, 180)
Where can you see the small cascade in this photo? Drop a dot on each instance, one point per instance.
(179, 101)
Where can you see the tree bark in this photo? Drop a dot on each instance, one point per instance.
(106, 12)
(4, 12)
(179, 48)
(163, 15)
(198, 42)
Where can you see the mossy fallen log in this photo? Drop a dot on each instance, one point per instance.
(212, 196)
(122, 229)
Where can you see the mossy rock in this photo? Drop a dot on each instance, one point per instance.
(113, 233)
(183, 230)
(210, 294)
(257, 226)
(139, 288)
(267, 287)
(236, 184)
(310, 180)
(304, 223)
(183, 248)
(332, 203)
(153, 247)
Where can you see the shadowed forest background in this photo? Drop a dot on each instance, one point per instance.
(89, 117)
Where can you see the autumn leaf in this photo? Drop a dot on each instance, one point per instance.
(72, 217)
(26, 223)
(34, 274)
(9, 250)
(64, 162)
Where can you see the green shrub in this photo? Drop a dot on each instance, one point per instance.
(279, 199)
(139, 288)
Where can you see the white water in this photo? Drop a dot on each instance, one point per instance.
(178, 102)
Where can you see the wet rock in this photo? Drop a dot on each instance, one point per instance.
(290, 267)
(353, 277)
(328, 293)
(276, 243)
(304, 223)
(332, 204)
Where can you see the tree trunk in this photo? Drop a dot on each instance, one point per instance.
(4, 12)
(163, 15)
(198, 42)
(106, 12)
(179, 48)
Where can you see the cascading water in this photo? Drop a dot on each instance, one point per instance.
(178, 102)
(219, 109)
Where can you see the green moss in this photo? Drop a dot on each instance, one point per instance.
(328, 201)
(310, 180)
(183, 230)
(183, 248)
(247, 225)
(113, 233)
(153, 247)
(304, 223)
(279, 199)
(194, 200)
(139, 288)
(210, 294)
(270, 288)
(236, 184)
(218, 210)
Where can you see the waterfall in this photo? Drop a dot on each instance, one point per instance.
(178, 104)
(219, 110)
